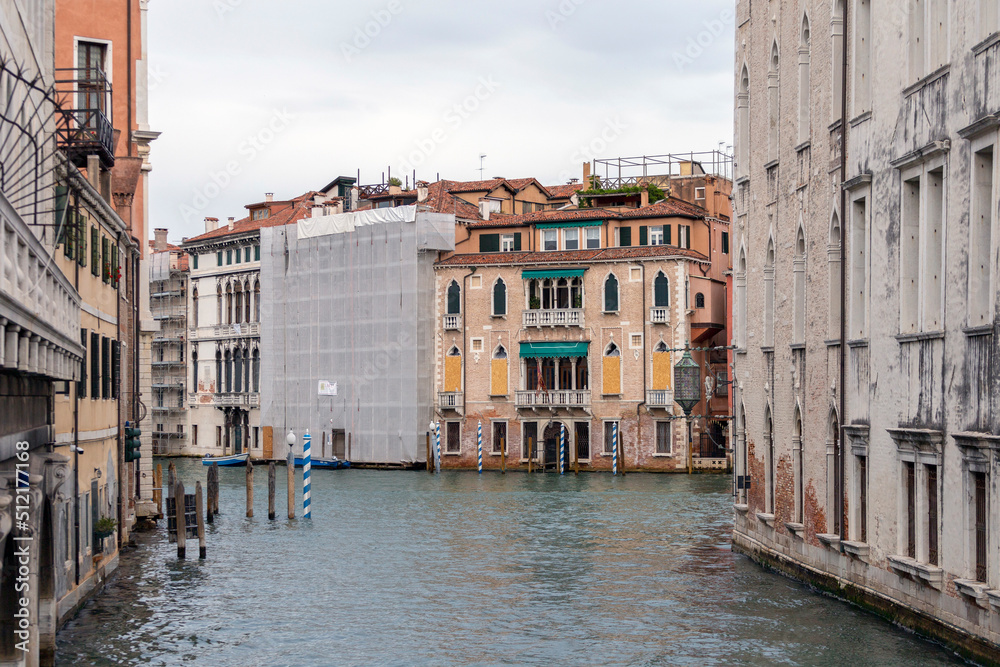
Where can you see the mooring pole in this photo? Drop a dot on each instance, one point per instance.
(199, 506)
(576, 454)
(562, 446)
(179, 517)
(437, 447)
(503, 456)
(621, 455)
(479, 433)
(614, 448)
(213, 491)
(531, 454)
(306, 467)
(291, 484)
(271, 480)
(430, 455)
(171, 480)
(249, 489)
(158, 488)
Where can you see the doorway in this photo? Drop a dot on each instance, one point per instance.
(551, 443)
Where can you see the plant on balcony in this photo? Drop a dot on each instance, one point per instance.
(578, 301)
(104, 527)
(395, 181)
(534, 303)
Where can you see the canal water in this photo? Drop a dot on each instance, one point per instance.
(408, 568)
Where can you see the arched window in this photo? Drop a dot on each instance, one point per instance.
(256, 370)
(500, 352)
(699, 300)
(194, 366)
(769, 452)
(454, 298)
(799, 276)
(246, 305)
(499, 297)
(772, 105)
(833, 269)
(741, 300)
(661, 291)
(218, 370)
(256, 301)
(804, 105)
(221, 305)
(610, 293)
(194, 308)
(498, 372)
(229, 304)
(743, 124)
(798, 466)
(238, 303)
(769, 296)
(562, 293)
(238, 370)
(229, 371)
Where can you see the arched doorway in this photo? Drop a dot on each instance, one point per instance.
(550, 440)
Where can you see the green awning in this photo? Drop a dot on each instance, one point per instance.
(553, 350)
(552, 273)
(569, 223)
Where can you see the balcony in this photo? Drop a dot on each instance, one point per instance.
(168, 362)
(167, 382)
(558, 317)
(450, 400)
(83, 126)
(659, 315)
(452, 322)
(236, 399)
(660, 398)
(238, 329)
(556, 398)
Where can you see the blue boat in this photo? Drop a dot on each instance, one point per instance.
(232, 461)
(331, 464)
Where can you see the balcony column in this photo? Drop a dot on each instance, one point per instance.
(3, 341)
(524, 375)
(22, 350)
(573, 379)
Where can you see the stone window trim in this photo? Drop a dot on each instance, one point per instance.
(918, 445)
(975, 447)
(857, 435)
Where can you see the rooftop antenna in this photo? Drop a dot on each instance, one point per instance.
(481, 157)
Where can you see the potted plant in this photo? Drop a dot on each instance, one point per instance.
(578, 301)
(534, 303)
(104, 527)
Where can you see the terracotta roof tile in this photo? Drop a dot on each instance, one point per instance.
(282, 213)
(666, 209)
(475, 186)
(576, 256)
(563, 191)
(440, 200)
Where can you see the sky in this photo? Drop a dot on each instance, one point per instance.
(257, 96)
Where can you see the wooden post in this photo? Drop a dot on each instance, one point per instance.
(430, 455)
(349, 446)
(270, 490)
(200, 512)
(213, 492)
(179, 514)
(158, 489)
(171, 479)
(503, 456)
(291, 485)
(531, 454)
(249, 490)
(621, 452)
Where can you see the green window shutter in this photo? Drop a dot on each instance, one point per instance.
(229, 257)
(725, 243)
(95, 365)
(246, 254)
(517, 241)
(666, 234)
(643, 235)
(624, 237)
(62, 221)
(114, 265)
(81, 238)
(81, 385)
(489, 243)
(95, 251)
(218, 257)
(256, 253)
(687, 236)
(105, 260)
(194, 259)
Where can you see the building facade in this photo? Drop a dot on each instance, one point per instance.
(559, 326)
(168, 287)
(865, 305)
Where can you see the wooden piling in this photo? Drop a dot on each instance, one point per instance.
(576, 454)
(349, 446)
(430, 455)
(621, 454)
(179, 514)
(291, 485)
(503, 456)
(199, 506)
(249, 490)
(158, 489)
(171, 479)
(270, 490)
(213, 493)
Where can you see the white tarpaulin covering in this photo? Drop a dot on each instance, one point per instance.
(346, 222)
(159, 266)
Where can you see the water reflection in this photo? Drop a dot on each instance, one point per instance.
(412, 568)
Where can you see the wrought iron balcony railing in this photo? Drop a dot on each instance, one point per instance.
(85, 126)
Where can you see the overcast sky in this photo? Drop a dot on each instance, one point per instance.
(256, 96)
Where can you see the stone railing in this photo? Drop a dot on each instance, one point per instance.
(556, 398)
(234, 398)
(659, 315)
(245, 329)
(450, 400)
(452, 322)
(557, 317)
(660, 398)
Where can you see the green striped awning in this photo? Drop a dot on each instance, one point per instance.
(553, 350)
(569, 223)
(552, 273)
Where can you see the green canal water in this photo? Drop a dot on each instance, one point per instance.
(408, 568)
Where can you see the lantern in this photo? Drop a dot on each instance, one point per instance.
(687, 383)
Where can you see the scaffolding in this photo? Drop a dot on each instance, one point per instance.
(167, 303)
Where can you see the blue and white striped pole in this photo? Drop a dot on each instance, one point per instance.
(480, 434)
(614, 445)
(306, 467)
(437, 447)
(562, 448)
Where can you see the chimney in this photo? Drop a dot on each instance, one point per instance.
(159, 239)
(422, 191)
(394, 189)
(231, 221)
(338, 206)
(643, 197)
(268, 196)
(484, 209)
(211, 224)
(586, 176)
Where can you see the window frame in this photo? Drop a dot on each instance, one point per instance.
(668, 425)
(606, 436)
(546, 234)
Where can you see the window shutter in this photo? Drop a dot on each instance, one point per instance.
(687, 237)
(517, 240)
(105, 368)
(256, 253)
(105, 260)
(80, 232)
(643, 235)
(725, 243)
(218, 258)
(114, 265)
(95, 251)
(500, 298)
(81, 386)
(95, 365)
(115, 368)
(624, 236)
(195, 260)
(489, 243)
(666, 234)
